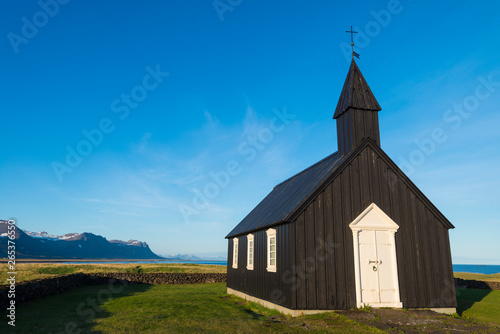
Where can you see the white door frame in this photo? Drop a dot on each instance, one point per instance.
(382, 223)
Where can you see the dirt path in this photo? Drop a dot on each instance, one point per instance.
(416, 321)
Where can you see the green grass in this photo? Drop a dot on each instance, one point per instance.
(166, 309)
(30, 271)
(196, 308)
(58, 270)
(478, 277)
(136, 269)
(480, 305)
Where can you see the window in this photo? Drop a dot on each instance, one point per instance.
(250, 244)
(271, 250)
(235, 253)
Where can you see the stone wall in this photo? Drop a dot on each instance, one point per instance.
(30, 290)
(472, 284)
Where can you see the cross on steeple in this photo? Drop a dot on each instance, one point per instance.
(352, 43)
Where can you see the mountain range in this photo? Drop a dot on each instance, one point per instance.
(42, 245)
(192, 257)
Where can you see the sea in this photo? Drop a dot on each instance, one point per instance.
(476, 268)
(221, 263)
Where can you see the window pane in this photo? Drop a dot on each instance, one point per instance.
(272, 241)
(273, 262)
(273, 248)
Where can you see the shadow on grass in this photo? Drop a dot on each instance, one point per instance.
(253, 314)
(74, 311)
(468, 297)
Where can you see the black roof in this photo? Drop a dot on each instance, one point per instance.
(287, 196)
(356, 93)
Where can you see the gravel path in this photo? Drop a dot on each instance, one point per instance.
(416, 321)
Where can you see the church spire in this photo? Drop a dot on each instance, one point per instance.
(356, 112)
(356, 93)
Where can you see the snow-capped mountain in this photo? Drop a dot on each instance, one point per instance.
(192, 257)
(130, 242)
(42, 245)
(45, 235)
(42, 234)
(186, 257)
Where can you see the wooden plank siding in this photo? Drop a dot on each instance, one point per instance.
(330, 250)
(315, 250)
(310, 263)
(354, 126)
(339, 259)
(300, 251)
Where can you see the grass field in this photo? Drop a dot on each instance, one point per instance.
(480, 305)
(201, 308)
(166, 309)
(479, 277)
(191, 308)
(30, 271)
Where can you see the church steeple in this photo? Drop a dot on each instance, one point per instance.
(356, 112)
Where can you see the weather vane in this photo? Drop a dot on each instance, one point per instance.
(354, 54)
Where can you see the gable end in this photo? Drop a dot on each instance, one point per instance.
(368, 143)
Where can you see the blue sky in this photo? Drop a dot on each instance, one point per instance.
(168, 121)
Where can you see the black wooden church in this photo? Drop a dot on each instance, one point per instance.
(350, 230)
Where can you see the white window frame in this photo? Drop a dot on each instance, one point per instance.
(235, 252)
(250, 251)
(271, 233)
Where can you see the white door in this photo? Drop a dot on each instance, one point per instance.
(368, 268)
(377, 282)
(386, 267)
(375, 259)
